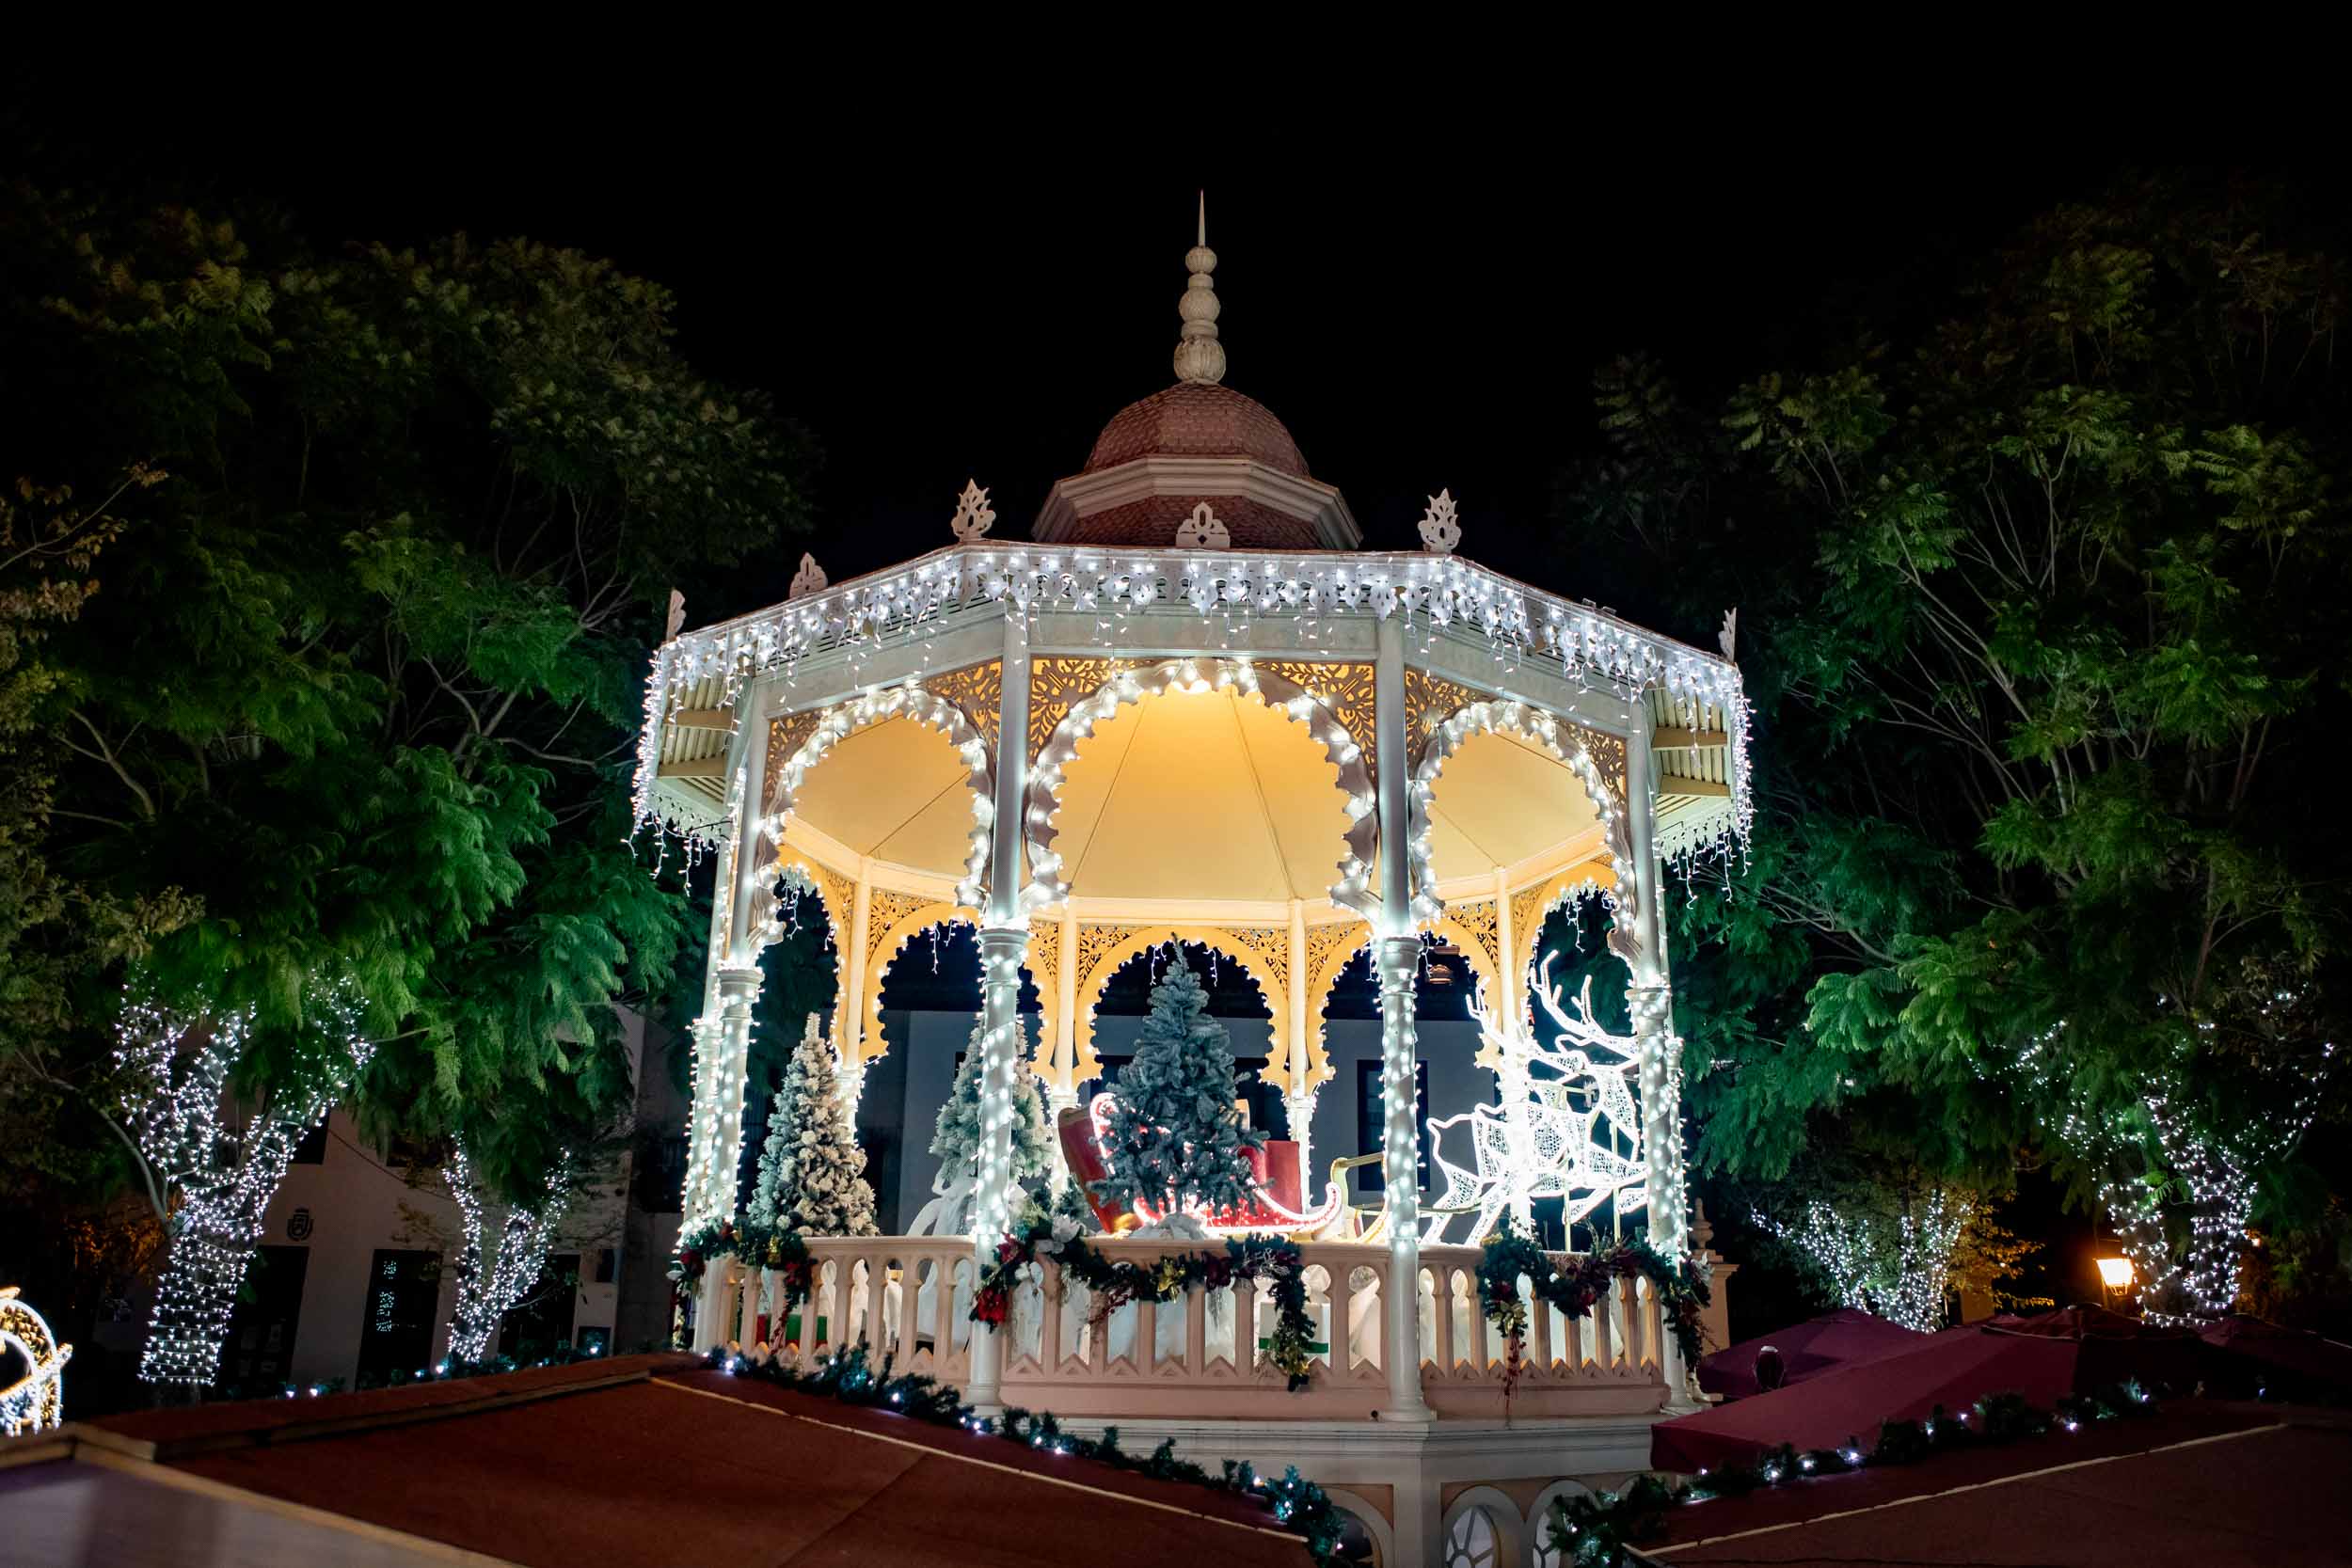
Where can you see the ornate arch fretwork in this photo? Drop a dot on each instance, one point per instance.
(1533, 904)
(1055, 686)
(1329, 949)
(1109, 957)
(924, 707)
(979, 690)
(1270, 945)
(892, 921)
(1353, 890)
(1562, 740)
(786, 735)
(1346, 688)
(1480, 920)
(1429, 702)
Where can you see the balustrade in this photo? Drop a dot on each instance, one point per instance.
(1200, 1355)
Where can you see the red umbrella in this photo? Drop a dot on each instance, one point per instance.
(2272, 1354)
(2043, 1357)
(1808, 1350)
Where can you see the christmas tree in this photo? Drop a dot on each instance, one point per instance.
(1175, 1138)
(810, 1180)
(956, 1138)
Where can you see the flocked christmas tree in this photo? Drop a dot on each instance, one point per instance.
(810, 1179)
(956, 1139)
(1174, 1137)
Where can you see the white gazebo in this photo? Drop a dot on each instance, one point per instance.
(1190, 705)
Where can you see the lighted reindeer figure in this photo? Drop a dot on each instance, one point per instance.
(1567, 1125)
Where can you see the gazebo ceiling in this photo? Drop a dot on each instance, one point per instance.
(1501, 800)
(1208, 795)
(898, 792)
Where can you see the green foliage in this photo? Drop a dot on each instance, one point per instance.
(2042, 592)
(1174, 1135)
(359, 696)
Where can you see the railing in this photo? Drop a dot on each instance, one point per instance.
(1198, 1357)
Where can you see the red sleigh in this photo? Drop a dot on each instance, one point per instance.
(1277, 1206)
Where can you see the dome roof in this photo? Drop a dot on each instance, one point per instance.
(1197, 418)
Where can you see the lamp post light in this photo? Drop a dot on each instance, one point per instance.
(2115, 1274)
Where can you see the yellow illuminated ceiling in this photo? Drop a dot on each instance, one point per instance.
(1200, 795)
(897, 792)
(1499, 800)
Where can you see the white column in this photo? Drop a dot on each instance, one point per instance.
(1397, 958)
(716, 1125)
(849, 1010)
(1511, 1079)
(1298, 1101)
(1650, 999)
(739, 987)
(1004, 942)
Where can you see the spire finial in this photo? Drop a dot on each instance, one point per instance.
(1198, 356)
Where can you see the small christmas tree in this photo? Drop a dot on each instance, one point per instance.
(956, 1138)
(810, 1177)
(1175, 1138)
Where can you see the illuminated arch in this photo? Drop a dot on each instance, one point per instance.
(1533, 904)
(1353, 890)
(37, 1400)
(836, 896)
(1534, 724)
(886, 947)
(1330, 948)
(925, 708)
(1116, 956)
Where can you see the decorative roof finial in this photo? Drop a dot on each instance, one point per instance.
(1198, 356)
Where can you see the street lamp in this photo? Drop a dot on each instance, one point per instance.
(2115, 1274)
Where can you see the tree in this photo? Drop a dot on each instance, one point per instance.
(2042, 597)
(493, 1273)
(956, 1140)
(356, 708)
(811, 1171)
(1175, 1140)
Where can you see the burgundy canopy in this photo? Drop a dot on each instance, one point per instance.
(1808, 1350)
(2308, 1362)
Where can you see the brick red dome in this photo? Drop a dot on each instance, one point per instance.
(1196, 420)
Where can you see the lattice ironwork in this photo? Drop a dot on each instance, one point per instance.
(786, 735)
(1328, 949)
(1429, 702)
(1269, 946)
(884, 910)
(1346, 688)
(979, 690)
(1481, 919)
(1058, 685)
(1094, 942)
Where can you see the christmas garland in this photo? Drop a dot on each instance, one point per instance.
(849, 1377)
(1597, 1531)
(1111, 1284)
(1576, 1281)
(759, 1245)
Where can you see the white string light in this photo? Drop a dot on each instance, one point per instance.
(37, 1400)
(487, 1288)
(177, 1068)
(1854, 1253)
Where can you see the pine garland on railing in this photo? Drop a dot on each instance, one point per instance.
(1598, 1530)
(850, 1377)
(1575, 1282)
(761, 1247)
(1111, 1284)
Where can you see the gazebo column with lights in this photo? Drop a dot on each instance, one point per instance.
(1190, 709)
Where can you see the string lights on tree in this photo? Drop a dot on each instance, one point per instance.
(223, 1161)
(491, 1279)
(1899, 1267)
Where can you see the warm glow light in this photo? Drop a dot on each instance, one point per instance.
(2115, 1272)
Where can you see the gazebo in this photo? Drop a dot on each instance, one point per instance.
(1354, 751)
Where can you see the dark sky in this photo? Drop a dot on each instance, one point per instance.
(938, 297)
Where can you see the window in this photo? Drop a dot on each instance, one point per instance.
(1470, 1544)
(396, 1317)
(1372, 1119)
(268, 1310)
(607, 1260)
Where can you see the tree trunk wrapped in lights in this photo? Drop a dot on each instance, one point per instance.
(222, 1172)
(490, 1283)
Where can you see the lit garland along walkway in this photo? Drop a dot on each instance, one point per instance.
(772, 1406)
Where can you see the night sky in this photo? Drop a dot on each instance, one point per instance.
(937, 297)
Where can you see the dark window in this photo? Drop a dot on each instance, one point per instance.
(396, 1317)
(660, 1176)
(542, 1321)
(311, 1150)
(1372, 1118)
(262, 1328)
(607, 1265)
